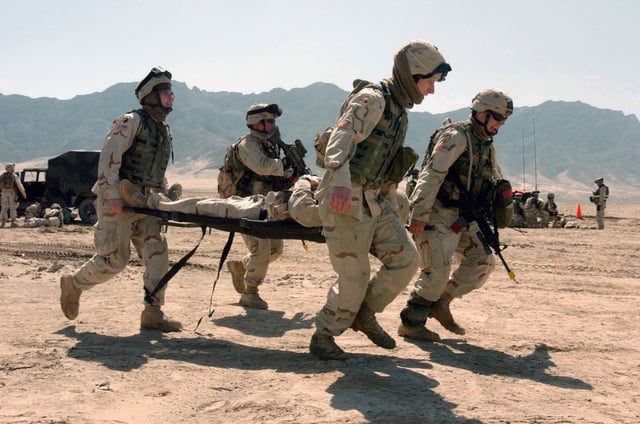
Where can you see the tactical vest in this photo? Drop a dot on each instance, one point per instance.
(481, 185)
(145, 162)
(374, 155)
(7, 180)
(244, 176)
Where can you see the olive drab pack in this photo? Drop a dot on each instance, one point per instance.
(230, 174)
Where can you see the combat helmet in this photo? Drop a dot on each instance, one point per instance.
(259, 111)
(424, 59)
(493, 100)
(155, 77)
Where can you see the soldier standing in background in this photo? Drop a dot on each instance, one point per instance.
(357, 219)
(551, 208)
(533, 209)
(10, 185)
(600, 195)
(257, 165)
(136, 149)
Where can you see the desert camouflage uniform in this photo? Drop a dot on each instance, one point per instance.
(534, 209)
(601, 193)
(551, 207)
(259, 155)
(10, 186)
(440, 242)
(115, 232)
(372, 226)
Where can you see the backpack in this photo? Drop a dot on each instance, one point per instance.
(230, 174)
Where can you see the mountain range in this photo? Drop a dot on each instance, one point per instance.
(557, 145)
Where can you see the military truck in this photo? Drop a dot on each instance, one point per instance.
(67, 180)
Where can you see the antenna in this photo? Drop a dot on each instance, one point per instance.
(524, 178)
(535, 156)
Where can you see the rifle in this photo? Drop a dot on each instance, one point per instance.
(489, 238)
(294, 155)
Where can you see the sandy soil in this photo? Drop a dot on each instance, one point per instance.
(562, 346)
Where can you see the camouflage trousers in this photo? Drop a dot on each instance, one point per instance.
(9, 205)
(113, 237)
(261, 253)
(438, 245)
(600, 217)
(350, 243)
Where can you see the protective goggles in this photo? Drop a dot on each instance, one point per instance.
(443, 68)
(273, 109)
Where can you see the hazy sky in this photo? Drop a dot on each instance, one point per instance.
(536, 50)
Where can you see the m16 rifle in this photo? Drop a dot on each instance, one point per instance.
(294, 157)
(481, 215)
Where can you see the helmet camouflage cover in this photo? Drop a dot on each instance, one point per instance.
(155, 77)
(260, 111)
(424, 59)
(494, 100)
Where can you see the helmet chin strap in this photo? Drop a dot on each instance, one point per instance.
(484, 123)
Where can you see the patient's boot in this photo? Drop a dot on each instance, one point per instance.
(251, 299)
(153, 318)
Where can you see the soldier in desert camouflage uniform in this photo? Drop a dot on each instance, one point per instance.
(463, 153)
(257, 154)
(599, 198)
(136, 149)
(357, 219)
(10, 185)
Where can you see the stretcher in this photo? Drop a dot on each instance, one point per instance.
(261, 228)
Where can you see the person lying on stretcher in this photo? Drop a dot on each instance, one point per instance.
(297, 203)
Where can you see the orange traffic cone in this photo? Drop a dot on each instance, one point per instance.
(579, 212)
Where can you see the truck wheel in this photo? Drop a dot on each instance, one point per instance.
(87, 211)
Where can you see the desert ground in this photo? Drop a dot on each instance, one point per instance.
(561, 346)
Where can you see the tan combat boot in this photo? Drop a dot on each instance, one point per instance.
(175, 192)
(131, 195)
(324, 347)
(251, 299)
(366, 322)
(69, 297)
(153, 318)
(440, 311)
(237, 270)
(418, 333)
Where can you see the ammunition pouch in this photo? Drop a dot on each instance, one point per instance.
(503, 203)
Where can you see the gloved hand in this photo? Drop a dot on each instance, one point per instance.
(340, 200)
(289, 173)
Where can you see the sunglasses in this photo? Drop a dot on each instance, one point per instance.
(496, 116)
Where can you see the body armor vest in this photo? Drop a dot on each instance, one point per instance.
(244, 186)
(145, 162)
(482, 184)
(373, 156)
(7, 180)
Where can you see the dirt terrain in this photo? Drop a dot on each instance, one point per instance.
(562, 346)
